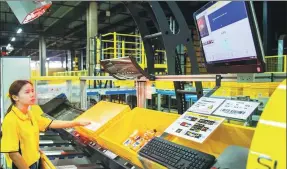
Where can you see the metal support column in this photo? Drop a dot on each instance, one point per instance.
(66, 58)
(69, 90)
(141, 92)
(83, 94)
(92, 31)
(265, 27)
(281, 67)
(62, 61)
(42, 55)
(72, 59)
(81, 60)
(68, 61)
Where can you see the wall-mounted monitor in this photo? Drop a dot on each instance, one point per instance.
(229, 36)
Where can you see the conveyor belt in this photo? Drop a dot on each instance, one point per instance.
(63, 148)
(67, 113)
(81, 166)
(111, 91)
(48, 133)
(54, 142)
(57, 148)
(60, 108)
(63, 153)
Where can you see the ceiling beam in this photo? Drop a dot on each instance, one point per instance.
(117, 9)
(66, 20)
(119, 23)
(28, 28)
(62, 3)
(46, 17)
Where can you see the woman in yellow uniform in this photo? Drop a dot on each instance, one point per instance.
(21, 126)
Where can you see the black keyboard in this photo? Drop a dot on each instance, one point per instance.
(175, 156)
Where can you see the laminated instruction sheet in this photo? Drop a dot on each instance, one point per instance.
(236, 109)
(194, 127)
(206, 105)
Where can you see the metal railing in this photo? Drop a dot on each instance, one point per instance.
(115, 45)
(273, 63)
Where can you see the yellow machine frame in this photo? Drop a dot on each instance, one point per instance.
(268, 149)
(266, 142)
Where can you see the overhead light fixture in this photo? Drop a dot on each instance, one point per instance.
(27, 11)
(13, 39)
(19, 30)
(9, 48)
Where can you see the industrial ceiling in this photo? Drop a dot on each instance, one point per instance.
(64, 26)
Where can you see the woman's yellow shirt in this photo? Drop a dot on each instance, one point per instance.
(20, 133)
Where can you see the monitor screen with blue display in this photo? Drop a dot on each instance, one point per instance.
(229, 37)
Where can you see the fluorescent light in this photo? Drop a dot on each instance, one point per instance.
(13, 39)
(8, 45)
(19, 30)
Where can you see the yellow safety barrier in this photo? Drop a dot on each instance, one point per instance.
(77, 74)
(124, 83)
(114, 45)
(254, 90)
(56, 79)
(272, 63)
(35, 73)
(117, 46)
(162, 85)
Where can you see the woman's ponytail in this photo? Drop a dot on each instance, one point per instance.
(9, 108)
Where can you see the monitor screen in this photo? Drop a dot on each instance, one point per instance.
(123, 68)
(228, 36)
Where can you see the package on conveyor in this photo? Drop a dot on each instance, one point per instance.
(139, 138)
(101, 116)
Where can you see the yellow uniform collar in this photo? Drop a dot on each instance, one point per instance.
(20, 114)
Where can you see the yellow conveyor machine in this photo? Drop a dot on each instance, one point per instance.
(114, 123)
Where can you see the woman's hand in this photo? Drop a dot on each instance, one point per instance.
(68, 124)
(82, 123)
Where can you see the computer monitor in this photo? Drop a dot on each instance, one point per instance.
(229, 36)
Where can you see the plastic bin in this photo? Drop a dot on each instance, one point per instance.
(104, 114)
(228, 91)
(256, 90)
(163, 85)
(137, 119)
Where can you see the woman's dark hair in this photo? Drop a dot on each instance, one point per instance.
(14, 89)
